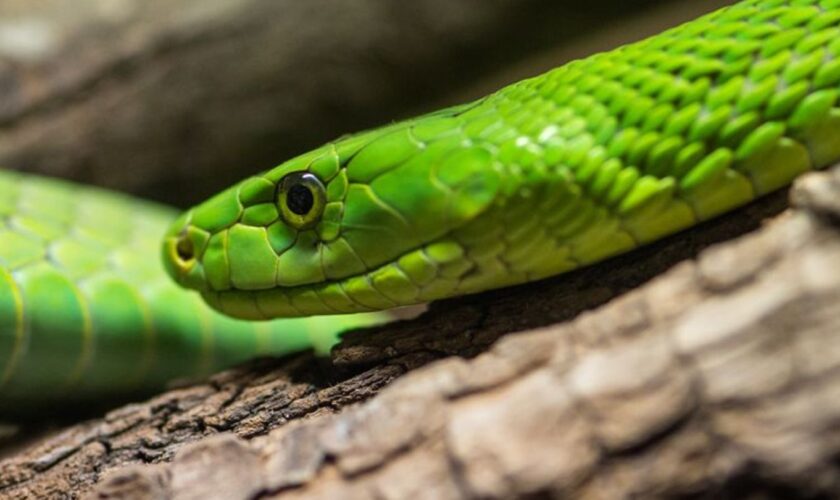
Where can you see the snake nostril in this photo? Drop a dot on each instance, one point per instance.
(184, 248)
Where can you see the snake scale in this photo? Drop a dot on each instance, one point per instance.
(555, 172)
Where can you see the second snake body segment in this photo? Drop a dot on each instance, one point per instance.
(552, 173)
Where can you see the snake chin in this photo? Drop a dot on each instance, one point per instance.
(434, 271)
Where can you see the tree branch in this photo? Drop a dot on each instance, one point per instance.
(719, 378)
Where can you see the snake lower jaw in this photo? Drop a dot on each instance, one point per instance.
(431, 272)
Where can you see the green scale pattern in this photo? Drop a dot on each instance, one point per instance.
(552, 173)
(87, 312)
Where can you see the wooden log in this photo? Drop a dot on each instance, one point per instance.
(718, 379)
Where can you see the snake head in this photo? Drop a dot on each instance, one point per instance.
(360, 224)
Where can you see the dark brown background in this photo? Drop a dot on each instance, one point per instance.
(176, 99)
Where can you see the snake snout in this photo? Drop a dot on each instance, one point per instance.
(178, 255)
(184, 249)
(181, 255)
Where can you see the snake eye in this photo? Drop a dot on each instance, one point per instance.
(301, 198)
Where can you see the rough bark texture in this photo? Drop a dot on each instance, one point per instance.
(719, 377)
(174, 99)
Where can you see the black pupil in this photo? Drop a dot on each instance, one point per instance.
(299, 199)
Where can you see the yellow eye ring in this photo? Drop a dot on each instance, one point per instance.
(301, 198)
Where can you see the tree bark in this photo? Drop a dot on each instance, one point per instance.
(719, 378)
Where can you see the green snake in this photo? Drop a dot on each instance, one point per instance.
(555, 172)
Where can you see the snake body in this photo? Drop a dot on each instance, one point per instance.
(549, 174)
(552, 173)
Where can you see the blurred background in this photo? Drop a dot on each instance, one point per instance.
(175, 99)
